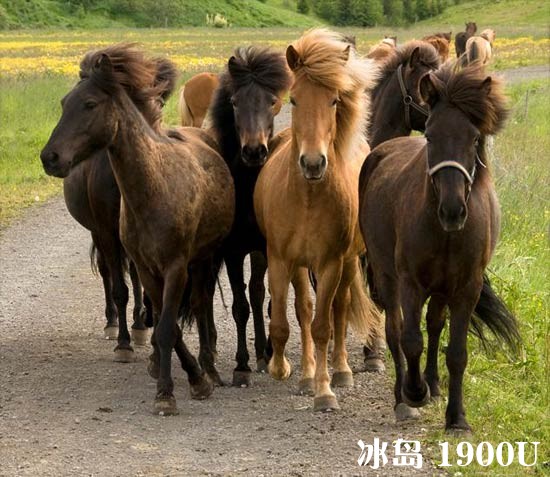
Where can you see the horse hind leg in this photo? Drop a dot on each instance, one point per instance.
(139, 330)
(373, 354)
(124, 353)
(304, 312)
(111, 327)
(256, 291)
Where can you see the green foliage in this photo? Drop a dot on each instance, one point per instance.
(302, 6)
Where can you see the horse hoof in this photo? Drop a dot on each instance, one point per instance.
(261, 365)
(166, 406)
(406, 413)
(215, 356)
(202, 390)
(342, 379)
(420, 403)
(241, 379)
(111, 332)
(306, 387)
(153, 369)
(374, 365)
(282, 373)
(216, 378)
(124, 355)
(139, 337)
(326, 403)
(459, 430)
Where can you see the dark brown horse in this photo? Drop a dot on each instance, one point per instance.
(462, 37)
(242, 115)
(177, 200)
(430, 219)
(395, 101)
(93, 199)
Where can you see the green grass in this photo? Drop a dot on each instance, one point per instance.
(510, 400)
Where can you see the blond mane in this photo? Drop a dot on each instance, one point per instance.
(326, 58)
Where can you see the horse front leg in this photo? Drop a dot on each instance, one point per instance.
(241, 312)
(111, 327)
(139, 330)
(342, 375)
(304, 312)
(279, 280)
(124, 353)
(256, 291)
(415, 391)
(462, 306)
(328, 279)
(435, 321)
(166, 337)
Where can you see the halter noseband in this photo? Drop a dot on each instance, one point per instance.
(469, 176)
(408, 100)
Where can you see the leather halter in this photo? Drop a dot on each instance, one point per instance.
(469, 176)
(408, 100)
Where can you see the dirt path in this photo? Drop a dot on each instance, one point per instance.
(67, 409)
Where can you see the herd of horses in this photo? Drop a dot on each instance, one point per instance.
(341, 198)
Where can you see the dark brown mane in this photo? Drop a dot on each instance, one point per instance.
(261, 66)
(427, 55)
(462, 88)
(145, 80)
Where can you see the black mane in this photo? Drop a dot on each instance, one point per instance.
(251, 67)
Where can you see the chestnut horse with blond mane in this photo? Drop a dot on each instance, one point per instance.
(306, 205)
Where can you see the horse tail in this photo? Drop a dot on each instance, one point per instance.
(491, 312)
(94, 258)
(186, 116)
(473, 53)
(364, 316)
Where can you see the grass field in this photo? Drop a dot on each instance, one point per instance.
(506, 400)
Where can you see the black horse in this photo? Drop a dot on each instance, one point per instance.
(243, 108)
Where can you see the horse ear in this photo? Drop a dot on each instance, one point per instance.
(427, 90)
(103, 64)
(292, 58)
(486, 85)
(414, 59)
(232, 65)
(345, 53)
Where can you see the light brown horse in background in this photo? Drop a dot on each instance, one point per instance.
(195, 97)
(381, 51)
(307, 206)
(480, 48)
(441, 42)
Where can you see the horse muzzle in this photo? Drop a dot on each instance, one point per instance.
(313, 169)
(452, 219)
(52, 164)
(254, 156)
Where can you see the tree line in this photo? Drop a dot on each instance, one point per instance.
(373, 12)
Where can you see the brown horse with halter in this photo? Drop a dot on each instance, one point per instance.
(430, 219)
(195, 98)
(93, 199)
(177, 200)
(306, 206)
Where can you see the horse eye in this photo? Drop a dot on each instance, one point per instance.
(476, 142)
(292, 102)
(90, 104)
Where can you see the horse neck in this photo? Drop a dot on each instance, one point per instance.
(226, 130)
(387, 120)
(133, 155)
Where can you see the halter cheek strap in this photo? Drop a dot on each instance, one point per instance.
(408, 100)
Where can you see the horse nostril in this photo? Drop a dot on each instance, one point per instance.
(245, 151)
(323, 161)
(303, 161)
(262, 152)
(49, 157)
